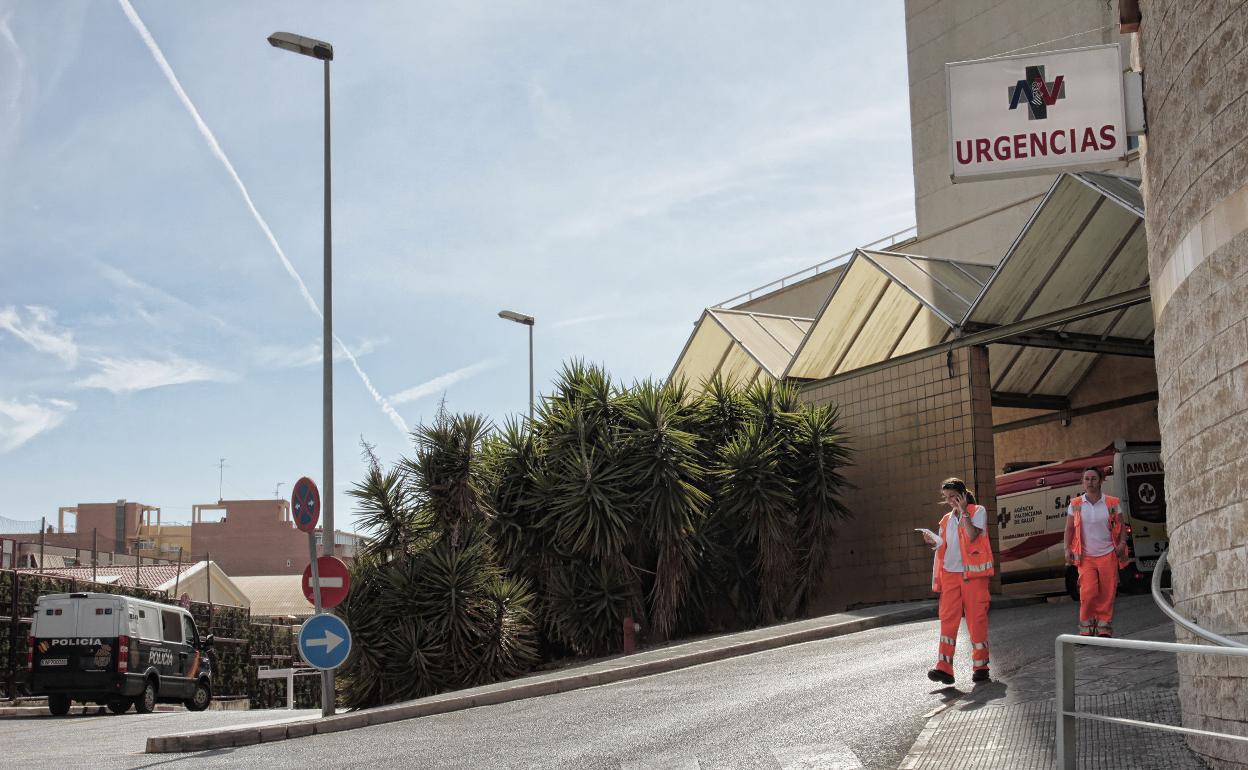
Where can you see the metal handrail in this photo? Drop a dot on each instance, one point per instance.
(1067, 729)
(1174, 615)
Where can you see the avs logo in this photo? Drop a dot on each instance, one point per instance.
(1037, 93)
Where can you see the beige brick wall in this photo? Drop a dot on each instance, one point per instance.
(911, 426)
(1196, 160)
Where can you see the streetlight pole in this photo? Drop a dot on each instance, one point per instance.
(528, 321)
(319, 49)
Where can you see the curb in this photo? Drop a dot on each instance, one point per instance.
(919, 748)
(607, 672)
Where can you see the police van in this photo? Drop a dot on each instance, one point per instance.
(117, 651)
(1031, 517)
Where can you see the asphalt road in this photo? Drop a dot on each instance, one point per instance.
(851, 702)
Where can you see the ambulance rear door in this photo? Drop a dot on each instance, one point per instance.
(1141, 486)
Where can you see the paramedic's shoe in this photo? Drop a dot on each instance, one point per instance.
(936, 675)
(981, 675)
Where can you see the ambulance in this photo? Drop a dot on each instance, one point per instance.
(1031, 517)
(117, 651)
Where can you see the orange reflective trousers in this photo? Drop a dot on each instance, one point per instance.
(960, 598)
(1098, 585)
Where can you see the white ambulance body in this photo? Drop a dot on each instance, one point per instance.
(1031, 517)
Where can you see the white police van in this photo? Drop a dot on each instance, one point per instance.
(117, 651)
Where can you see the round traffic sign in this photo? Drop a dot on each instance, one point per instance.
(325, 641)
(305, 504)
(335, 581)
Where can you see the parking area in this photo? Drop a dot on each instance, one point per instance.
(107, 740)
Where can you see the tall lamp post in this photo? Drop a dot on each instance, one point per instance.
(319, 49)
(528, 321)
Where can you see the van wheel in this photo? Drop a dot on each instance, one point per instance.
(58, 705)
(1072, 583)
(200, 700)
(146, 703)
(118, 705)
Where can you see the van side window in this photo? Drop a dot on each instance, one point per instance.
(149, 625)
(188, 629)
(172, 625)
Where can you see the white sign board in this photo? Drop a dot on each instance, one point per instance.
(1036, 114)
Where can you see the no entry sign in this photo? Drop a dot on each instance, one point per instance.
(335, 581)
(305, 504)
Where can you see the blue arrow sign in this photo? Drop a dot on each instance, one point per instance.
(325, 641)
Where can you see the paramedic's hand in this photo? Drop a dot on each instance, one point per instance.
(1071, 557)
(959, 503)
(930, 540)
(1122, 550)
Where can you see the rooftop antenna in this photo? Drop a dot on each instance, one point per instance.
(277, 490)
(220, 479)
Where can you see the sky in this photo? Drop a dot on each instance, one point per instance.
(609, 168)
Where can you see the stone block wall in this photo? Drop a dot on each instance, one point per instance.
(911, 426)
(1195, 60)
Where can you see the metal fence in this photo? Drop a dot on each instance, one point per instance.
(1067, 714)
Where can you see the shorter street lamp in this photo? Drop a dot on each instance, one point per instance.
(528, 321)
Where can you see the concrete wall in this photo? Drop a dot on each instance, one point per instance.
(1113, 377)
(941, 31)
(911, 426)
(1196, 198)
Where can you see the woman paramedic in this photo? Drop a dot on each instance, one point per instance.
(960, 574)
(1096, 544)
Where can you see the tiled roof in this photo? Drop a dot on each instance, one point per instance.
(150, 575)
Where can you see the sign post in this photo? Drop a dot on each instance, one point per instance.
(305, 505)
(1036, 113)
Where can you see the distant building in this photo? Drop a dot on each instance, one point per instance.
(253, 537)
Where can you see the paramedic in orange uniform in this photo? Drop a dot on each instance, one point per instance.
(1096, 544)
(960, 574)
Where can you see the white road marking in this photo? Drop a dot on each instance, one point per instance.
(823, 756)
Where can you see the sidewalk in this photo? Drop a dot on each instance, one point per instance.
(614, 669)
(1012, 723)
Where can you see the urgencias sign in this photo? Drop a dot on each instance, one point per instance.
(1036, 113)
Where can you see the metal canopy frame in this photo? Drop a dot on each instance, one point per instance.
(767, 340)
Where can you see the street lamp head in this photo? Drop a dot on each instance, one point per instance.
(317, 49)
(519, 318)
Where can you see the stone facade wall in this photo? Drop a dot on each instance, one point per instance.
(911, 425)
(1196, 196)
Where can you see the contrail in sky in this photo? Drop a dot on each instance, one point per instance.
(141, 28)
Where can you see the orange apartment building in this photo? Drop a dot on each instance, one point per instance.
(253, 537)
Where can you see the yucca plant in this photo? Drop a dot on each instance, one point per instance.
(435, 611)
(816, 454)
(756, 499)
(665, 470)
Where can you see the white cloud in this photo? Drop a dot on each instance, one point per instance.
(442, 382)
(277, 357)
(20, 422)
(128, 375)
(124, 280)
(39, 330)
(586, 319)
